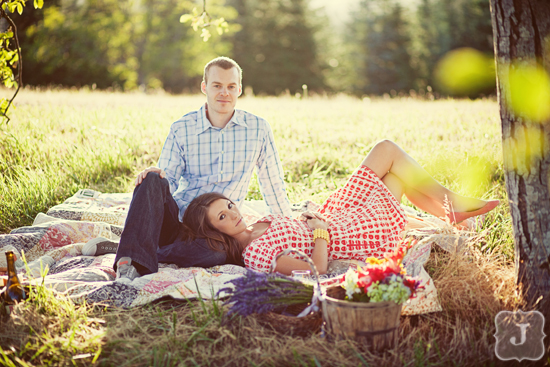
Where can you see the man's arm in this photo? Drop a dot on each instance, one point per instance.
(171, 160)
(271, 177)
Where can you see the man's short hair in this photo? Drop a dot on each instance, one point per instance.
(225, 63)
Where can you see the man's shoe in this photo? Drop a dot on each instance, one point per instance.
(125, 271)
(99, 246)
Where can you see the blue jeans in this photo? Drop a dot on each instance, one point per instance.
(152, 228)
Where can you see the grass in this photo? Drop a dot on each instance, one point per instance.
(61, 141)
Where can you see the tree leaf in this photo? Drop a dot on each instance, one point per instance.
(20, 8)
(38, 4)
(205, 34)
(14, 59)
(3, 105)
(185, 18)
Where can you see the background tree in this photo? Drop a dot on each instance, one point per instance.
(276, 46)
(334, 53)
(440, 26)
(385, 65)
(75, 44)
(11, 70)
(123, 43)
(170, 55)
(431, 40)
(522, 46)
(388, 44)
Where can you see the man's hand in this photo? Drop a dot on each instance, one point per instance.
(140, 177)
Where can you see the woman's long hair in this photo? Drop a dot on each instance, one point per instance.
(195, 224)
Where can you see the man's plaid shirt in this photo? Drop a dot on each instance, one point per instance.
(199, 158)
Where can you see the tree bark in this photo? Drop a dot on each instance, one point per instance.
(521, 30)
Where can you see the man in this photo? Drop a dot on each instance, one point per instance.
(213, 149)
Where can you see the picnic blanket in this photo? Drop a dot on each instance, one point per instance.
(65, 228)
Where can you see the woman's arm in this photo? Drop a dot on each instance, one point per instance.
(319, 256)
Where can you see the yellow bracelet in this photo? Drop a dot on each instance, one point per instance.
(321, 233)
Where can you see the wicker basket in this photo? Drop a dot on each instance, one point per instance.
(375, 325)
(292, 324)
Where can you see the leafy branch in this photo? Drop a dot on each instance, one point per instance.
(203, 20)
(10, 52)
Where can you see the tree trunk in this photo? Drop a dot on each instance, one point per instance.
(521, 30)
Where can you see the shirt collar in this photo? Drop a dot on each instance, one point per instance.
(204, 124)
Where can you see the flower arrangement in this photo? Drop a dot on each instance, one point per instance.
(378, 281)
(381, 281)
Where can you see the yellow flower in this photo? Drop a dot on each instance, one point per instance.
(374, 261)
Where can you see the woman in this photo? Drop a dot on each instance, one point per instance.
(364, 218)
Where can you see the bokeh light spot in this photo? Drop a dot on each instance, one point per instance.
(526, 145)
(529, 90)
(465, 71)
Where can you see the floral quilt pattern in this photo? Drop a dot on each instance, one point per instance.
(65, 228)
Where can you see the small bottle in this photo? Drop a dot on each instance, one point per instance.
(14, 291)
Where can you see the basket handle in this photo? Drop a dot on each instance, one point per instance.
(317, 290)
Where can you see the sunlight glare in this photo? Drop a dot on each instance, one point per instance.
(475, 176)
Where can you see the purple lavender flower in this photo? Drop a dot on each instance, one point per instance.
(257, 292)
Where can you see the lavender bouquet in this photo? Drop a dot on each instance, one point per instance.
(261, 293)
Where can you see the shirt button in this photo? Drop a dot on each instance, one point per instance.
(221, 171)
(222, 151)
(223, 131)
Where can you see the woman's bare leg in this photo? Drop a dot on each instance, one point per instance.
(398, 189)
(420, 188)
(394, 184)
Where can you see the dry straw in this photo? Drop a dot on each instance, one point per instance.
(473, 287)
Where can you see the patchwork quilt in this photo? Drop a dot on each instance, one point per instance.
(65, 228)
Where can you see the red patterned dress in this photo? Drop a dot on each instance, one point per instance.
(364, 218)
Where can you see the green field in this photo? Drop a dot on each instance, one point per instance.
(60, 141)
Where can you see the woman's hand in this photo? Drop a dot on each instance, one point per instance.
(319, 255)
(315, 220)
(317, 223)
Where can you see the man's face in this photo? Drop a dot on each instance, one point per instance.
(222, 89)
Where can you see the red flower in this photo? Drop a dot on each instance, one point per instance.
(413, 284)
(364, 280)
(397, 256)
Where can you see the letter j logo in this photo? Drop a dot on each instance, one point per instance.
(519, 335)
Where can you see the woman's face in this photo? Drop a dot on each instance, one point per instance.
(226, 218)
